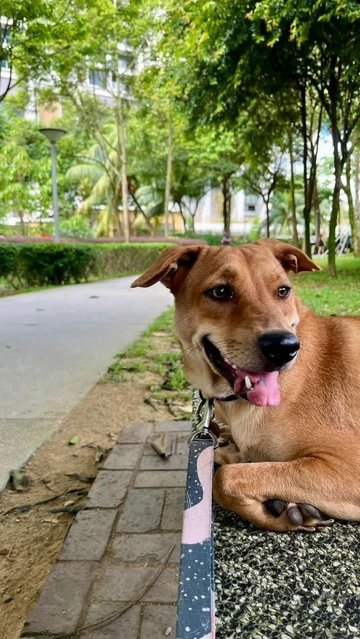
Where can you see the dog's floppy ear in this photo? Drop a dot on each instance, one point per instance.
(173, 262)
(290, 257)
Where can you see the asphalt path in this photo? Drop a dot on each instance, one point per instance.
(54, 346)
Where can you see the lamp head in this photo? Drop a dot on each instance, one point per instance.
(53, 135)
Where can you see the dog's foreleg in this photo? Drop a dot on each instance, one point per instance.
(284, 496)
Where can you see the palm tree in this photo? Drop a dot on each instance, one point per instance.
(100, 169)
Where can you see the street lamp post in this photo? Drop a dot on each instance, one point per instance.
(53, 135)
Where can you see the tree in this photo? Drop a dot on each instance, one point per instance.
(262, 177)
(269, 52)
(215, 158)
(98, 169)
(24, 167)
(65, 42)
(22, 27)
(25, 182)
(326, 38)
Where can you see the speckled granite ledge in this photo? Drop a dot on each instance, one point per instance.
(286, 585)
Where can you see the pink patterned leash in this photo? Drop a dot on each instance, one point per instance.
(196, 605)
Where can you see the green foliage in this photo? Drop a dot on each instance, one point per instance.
(45, 264)
(113, 259)
(8, 261)
(76, 226)
(40, 264)
(25, 168)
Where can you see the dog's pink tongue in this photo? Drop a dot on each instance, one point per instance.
(265, 391)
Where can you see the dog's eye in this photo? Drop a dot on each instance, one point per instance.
(220, 292)
(283, 292)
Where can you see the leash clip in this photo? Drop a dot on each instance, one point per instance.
(204, 414)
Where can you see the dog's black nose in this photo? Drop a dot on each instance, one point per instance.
(279, 348)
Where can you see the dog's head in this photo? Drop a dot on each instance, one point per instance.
(235, 314)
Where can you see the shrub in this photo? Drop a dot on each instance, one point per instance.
(8, 261)
(119, 259)
(43, 264)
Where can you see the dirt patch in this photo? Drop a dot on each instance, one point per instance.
(31, 540)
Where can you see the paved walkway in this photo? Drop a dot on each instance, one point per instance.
(54, 346)
(117, 575)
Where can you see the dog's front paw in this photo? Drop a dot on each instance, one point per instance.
(298, 516)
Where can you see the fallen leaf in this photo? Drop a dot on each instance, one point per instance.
(19, 480)
(74, 440)
(150, 402)
(101, 453)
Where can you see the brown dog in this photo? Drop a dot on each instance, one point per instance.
(285, 381)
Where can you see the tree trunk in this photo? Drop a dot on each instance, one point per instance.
(307, 205)
(356, 238)
(317, 212)
(295, 235)
(350, 199)
(168, 179)
(138, 205)
(226, 191)
(182, 216)
(116, 217)
(335, 135)
(22, 224)
(335, 208)
(267, 209)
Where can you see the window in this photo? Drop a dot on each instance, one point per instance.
(98, 78)
(4, 42)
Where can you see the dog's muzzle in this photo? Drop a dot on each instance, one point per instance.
(279, 348)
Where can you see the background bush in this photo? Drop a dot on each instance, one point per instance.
(44, 264)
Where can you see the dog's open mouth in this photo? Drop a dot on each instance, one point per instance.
(260, 389)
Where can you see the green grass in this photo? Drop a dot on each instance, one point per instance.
(331, 295)
(145, 356)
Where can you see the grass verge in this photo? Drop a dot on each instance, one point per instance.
(331, 295)
(156, 357)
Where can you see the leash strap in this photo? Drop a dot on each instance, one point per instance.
(196, 606)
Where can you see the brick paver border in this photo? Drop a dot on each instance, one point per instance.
(113, 556)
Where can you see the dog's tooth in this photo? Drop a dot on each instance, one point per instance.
(248, 383)
(233, 366)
